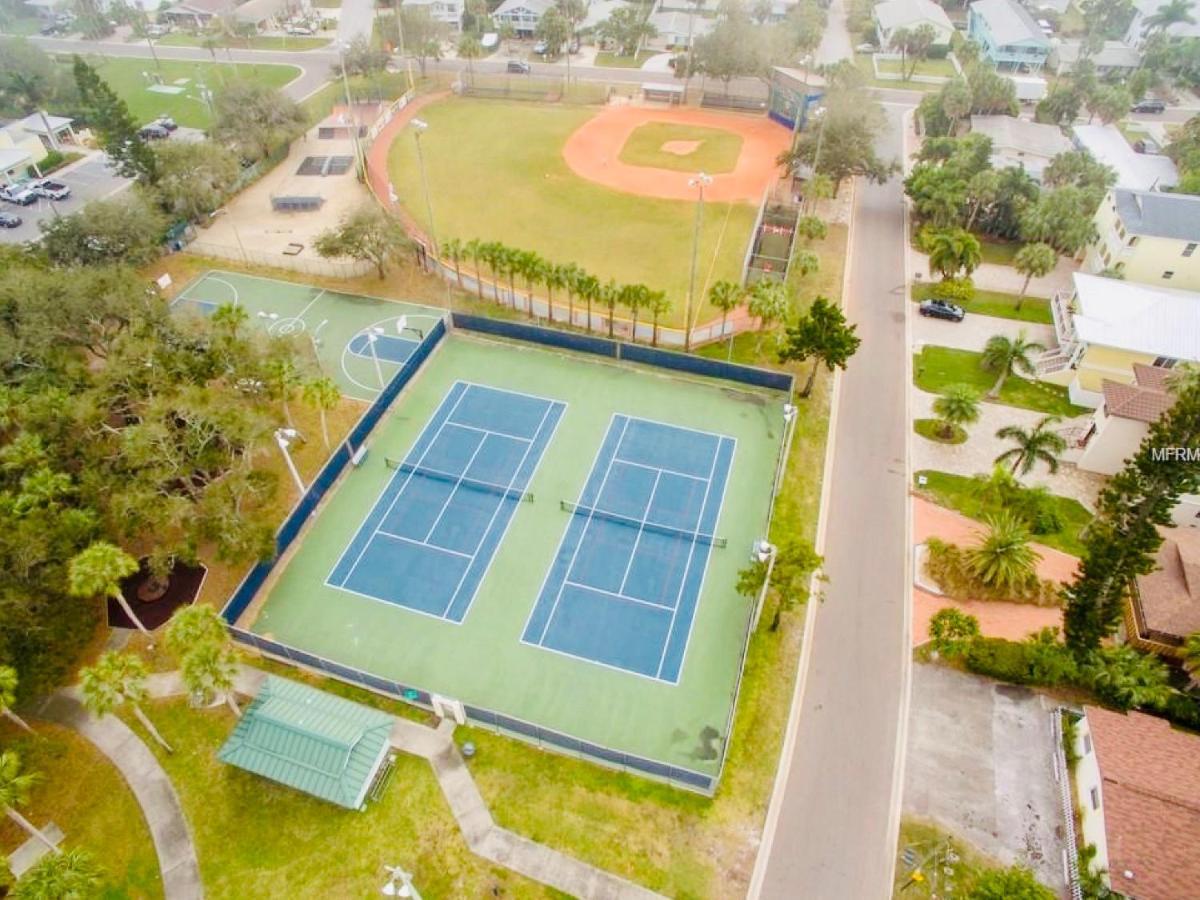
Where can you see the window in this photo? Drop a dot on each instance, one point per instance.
(1121, 231)
(1168, 275)
(1133, 241)
(1165, 362)
(1189, 249)
(1107, 259)
(1095, 798)
(1087, 744)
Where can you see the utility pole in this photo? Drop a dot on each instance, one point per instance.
(700, 181)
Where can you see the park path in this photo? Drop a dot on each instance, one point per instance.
(150, 785)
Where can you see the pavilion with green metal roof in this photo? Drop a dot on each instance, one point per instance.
(311, 741)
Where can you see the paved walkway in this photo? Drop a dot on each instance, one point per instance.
(484, 837)
(976, 455)
(991, 277)
(150, 785)
(972, 332)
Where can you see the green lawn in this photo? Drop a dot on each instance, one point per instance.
(84, 794)
(611, 60)
(867, 67)
(939, 68)
(1000, 253)
(716, 151)
(961, 494)
(936, 368)
(933, 850)
(496, 172)
(130, 79)
(16, 23)
(257, 42)
(996, 303)
(931, 430)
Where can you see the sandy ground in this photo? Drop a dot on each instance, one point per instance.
(592, 153)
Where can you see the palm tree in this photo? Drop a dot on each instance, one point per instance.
(453, 248)
(571, 275)
(609, 295)
(1127, 678)
(194, 625)
(1034, 260)
(510, 262)
(806, 262)
(323, 394)
(958, 406)
(726, 296)
(819, 187)
(283, 377)
(470, 49)
(534, 268)
(632, 296)
(588, 287)
(209, 668)
(229, 318)
(473, 249)
(1174, 12)
(1003, 559)
(555, 276)
(1191, 656)
(72, 875)
(115, 680)
(768, 303)
(1008, 355)
(658, 304)
(1036, 444)
(98, 570)
(8, 696)
(15, 786)
(953, 250)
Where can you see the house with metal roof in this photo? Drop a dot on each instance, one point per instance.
(1149, 237)
(1135, 171)
(1114, 58)
(1007, 35)
(1021, 143)
(312, 741)
(522, 15)
(910, 14)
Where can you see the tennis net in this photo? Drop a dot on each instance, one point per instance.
(474, 484)
(655, 527)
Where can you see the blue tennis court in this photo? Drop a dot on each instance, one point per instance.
(622, 589)
(430, 537)
(388, 347)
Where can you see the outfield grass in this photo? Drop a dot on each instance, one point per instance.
(295, 43)
(612, 61)
(716, 152)
(125, 77)
(936, 368)
(496, 172)
(83, 794)
(960, 493)
(996, 303)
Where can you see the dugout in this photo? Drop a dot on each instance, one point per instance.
(663, 93)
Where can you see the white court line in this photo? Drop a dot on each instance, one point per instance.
(426, 544)
(503, 434)
(616, 596)
(641, 530)
(638, 465)
(454, 490)
(587, 524)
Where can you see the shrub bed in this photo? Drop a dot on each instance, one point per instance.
(948, 565)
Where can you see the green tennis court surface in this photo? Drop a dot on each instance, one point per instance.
(579, 575)
(359, 341)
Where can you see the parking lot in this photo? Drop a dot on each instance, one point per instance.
(90, 179)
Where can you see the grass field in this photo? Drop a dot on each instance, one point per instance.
(612, 61)
(996, 303)
(867, 67)
(295, 43)
(939, 68)
(717, 151)
(130, 78)
(496, 172)
(1000, 253)
(83, 794)
(936, 368)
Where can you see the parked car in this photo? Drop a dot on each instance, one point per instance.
(865, 48)
(518, 67)
(1147, 145)
(166, 122)
(540, 48)
(1150, 106)
(942, 309)
(156, 31)
(302, 30)
(21, 194)
(153, 133)
(8, 220)
(51, 29)
(51, 190)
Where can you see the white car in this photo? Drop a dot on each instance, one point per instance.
(20, 194)
(300, 30)
(51, 190)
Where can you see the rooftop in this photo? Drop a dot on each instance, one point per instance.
(34, 124)
(9, 158)
(1009, 22)
(309, 740)
(1150, 779)
(1140, 318)
(1114, 54)
(1031, 137)
(1135, 171)
(909, 13)
(1143, 401)
(534, 6)
(1158, 214)
(1170, 595)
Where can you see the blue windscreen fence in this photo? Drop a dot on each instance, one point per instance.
(639, 353)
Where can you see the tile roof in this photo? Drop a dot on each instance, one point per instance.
(1156, 214)
(1169, 596)
(1009, 22)
(309, 740)
(1132, 401)
(1140, 318)
(1150, 779)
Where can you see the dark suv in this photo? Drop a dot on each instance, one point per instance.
(942, 309)
(1150, 106)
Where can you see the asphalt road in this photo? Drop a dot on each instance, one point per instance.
(355, 20)
(91, 179)
(834, 836)
(836, 41)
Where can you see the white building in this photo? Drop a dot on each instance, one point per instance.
(1114, 58)
(522, 15)
(448, 12)
(674, 27)
(1135, 171)
(1017, 142)
(910, 14)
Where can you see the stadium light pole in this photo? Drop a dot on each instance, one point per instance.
(284, 438)
(699, 182)
(359, 160)
(420, 126)
(372, 336)
(399, 884)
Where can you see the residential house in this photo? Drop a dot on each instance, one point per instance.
(1137, 787)
(1105, 326)
(598, 12)
(1117, 429)
(52, 131)
(675, 28)
(448, 12)
(21, 149)
(196, 14)
(1007, 35)
(1114, 58)
(1135, 171)
(1021, 143)
(910, 14)
(1139, 30)
(522, 15)
(1149, 237)
(1164, 606)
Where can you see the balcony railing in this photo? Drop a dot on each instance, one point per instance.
(1064, 318)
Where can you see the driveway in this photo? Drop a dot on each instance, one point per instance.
(89, 179)
(355, 21)
(972, 333)
(980, 764)
(835, 42)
